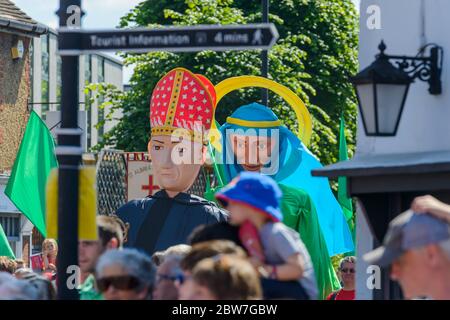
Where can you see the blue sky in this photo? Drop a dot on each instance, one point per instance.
(99, 14)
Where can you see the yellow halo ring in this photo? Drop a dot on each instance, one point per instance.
(303, 116)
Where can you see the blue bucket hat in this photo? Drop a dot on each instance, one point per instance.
(254, 190)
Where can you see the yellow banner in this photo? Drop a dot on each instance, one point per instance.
(87, 204)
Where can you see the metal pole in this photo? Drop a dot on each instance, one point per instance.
(69, 153)
(264, 54)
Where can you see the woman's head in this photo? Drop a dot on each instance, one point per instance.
(225, 277)
(125, 275)
(346, 271)
(199, 252)
(50, 246)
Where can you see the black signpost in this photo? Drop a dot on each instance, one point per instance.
(175, 39)
(265, 54)
(74, 41)
(69, 154)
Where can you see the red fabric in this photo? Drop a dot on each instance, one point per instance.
(209, 86)
(343, 295)
(194, 104)
(249, 236)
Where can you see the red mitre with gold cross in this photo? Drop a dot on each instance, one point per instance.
(182, 105)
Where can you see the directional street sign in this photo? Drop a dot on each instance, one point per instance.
(175, 39)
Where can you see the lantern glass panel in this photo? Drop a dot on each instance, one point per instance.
(389, 102)
(367, 106)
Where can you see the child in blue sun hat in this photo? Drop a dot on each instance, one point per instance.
(287, 270)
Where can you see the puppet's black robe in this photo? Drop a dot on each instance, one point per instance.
(177, 218)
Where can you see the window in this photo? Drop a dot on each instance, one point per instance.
(11, 226)
(45, 74)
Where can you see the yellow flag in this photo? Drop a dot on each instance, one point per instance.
(87, 204)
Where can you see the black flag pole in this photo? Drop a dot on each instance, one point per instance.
(264, 54)
(69, 154)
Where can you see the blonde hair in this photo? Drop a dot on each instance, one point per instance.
(228, 277)
(49, 240)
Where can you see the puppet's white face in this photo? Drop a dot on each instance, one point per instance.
(252, 152)
(175, 162)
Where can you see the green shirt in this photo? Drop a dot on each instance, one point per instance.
(88, 291)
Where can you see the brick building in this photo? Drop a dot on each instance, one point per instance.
(16, 33)
(30, 78)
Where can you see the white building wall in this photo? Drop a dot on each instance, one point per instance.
(406, 25)
(364, 244)
(424, 123)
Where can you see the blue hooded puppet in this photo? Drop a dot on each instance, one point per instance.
(308, 204)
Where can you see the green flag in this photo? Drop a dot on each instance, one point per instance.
(344, 200)
(5, 249)
(27, 184)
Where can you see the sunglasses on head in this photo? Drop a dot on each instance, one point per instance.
(345, 270)
(118, 282)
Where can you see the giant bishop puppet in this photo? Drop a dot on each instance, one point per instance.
(253, 138)
(181, 113)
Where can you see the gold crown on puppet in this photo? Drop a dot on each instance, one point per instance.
(182, 105)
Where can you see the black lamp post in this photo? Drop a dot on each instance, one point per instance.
(382, 88)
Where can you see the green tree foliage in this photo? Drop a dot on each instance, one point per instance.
(315, 55)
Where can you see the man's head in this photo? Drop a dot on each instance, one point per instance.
(254, 139)
(125, 275)
(175, 162)
(179, 251)
(347, 270)
(110, 236)
(181, 114)
(252, 152)
(418, 270)
(417, 246)
(168, 277)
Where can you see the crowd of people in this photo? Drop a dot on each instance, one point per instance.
(218, 263)
(270, 262)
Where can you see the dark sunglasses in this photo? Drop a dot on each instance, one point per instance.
(118, 282)
(160, 277)
(345, 270)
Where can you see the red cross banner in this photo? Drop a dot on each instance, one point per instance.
(140, 179)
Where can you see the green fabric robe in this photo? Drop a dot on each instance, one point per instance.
(300, 214)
